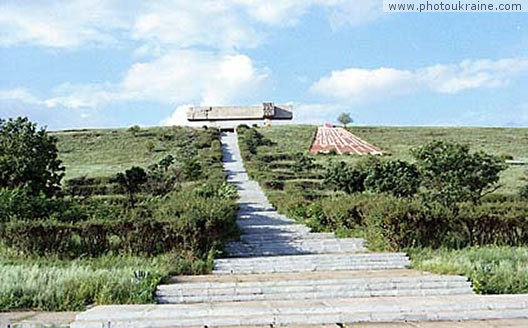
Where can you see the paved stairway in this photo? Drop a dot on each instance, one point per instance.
(281, 273)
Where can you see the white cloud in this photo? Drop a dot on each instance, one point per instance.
(221, 24)
(61, 24)
(192, 76)
(175, 78)
(179, 117)
(356, 84)
(19, 94)
(216, 23)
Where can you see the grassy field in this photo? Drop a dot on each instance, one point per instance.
(96, 153)
(121, 275)
(397, 142)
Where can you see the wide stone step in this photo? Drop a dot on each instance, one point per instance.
(313, 289)
(279, 247)
(303, 312)
(311, 262)
(279, 236)
(272, 229)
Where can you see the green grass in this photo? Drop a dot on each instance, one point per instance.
(58, 285)
(397, 142)
(96, 153)
(55, 284)
(492, 270)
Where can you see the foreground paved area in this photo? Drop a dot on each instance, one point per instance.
(36, 319)
(282, 274)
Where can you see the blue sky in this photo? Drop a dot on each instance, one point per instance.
(95, 63)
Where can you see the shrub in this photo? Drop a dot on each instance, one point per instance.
(184, 222)
(303, 163)
(252, 139)
(135, 129)
(274, 184)
(191, 169)
(345, 177)
(398, 178)
(492, 223)
(452, 174)
(523, 193)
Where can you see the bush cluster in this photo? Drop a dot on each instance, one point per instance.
(147, 212)
(196, 228)
(392, 223)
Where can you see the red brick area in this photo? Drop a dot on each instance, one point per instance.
(342, 142)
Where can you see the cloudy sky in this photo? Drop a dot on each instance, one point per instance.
(107, 63)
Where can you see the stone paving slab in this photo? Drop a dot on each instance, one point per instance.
(36, 319)
(506, 323)
(378, 309)
(296, 276)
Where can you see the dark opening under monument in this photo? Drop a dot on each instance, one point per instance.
(268, 111)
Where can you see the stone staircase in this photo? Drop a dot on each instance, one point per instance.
(280, 273)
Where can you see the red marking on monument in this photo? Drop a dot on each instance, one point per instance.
(342, 141)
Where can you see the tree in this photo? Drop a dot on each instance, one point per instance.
(452, 174)
(345, 119)
(399, 178)
(130, 181)
(29, 158)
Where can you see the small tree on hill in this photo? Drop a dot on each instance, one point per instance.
(345, 119)
(452, 174)
(131, 181)
(29, 158)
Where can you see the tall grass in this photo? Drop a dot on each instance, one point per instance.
(492, 270)
(55, 285)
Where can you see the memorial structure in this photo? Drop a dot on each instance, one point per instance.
(267, 112)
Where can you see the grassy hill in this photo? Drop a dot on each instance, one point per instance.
(104, 247)
(397, 142)
(97, 153)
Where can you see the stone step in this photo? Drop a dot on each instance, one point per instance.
(327, 311)
(292, 247)
(280, 236)
(271, 229)
(313, 289)
(311, 262)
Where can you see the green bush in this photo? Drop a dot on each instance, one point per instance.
(186, 225)
(344, 177)
(303, 163)
(251, 140)
(492, 224)
(452, 174)
(523, 193)
(398, 178)
(274, 184)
